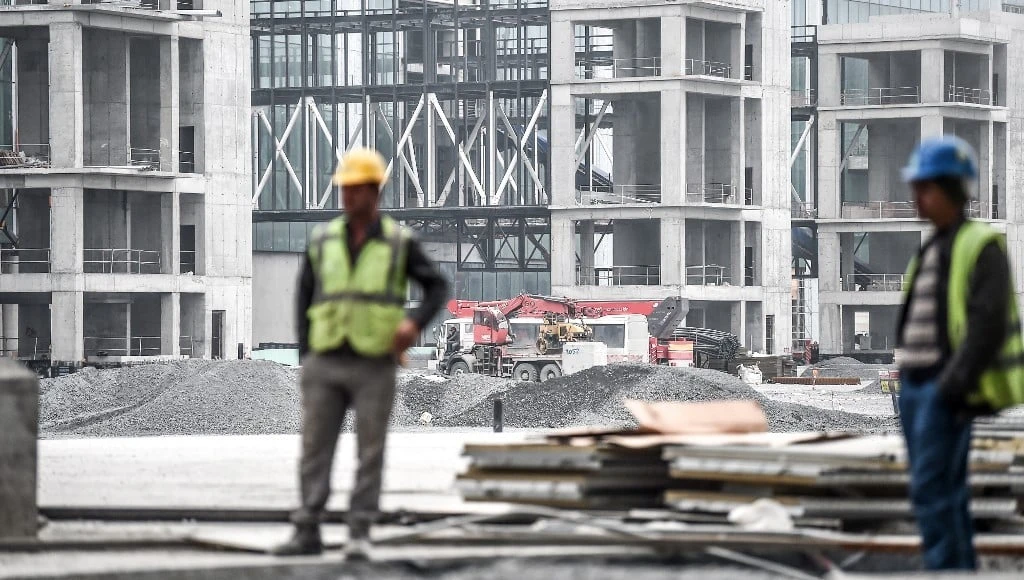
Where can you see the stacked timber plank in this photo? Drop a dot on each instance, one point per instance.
(859, 481)
(829, 480)
(562, 474)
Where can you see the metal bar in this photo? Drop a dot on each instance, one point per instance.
(846, 155)
(463, 158)
(800, 144)
(590, 135)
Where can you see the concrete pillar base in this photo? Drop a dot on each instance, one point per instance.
(19, 414)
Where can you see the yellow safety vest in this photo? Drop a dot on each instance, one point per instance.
(357, 304)
(1002, 384)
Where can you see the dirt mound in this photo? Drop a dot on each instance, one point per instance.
(261, 397)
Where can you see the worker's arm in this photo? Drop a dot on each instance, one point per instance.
(986, 326)
(303, 299)
(424, 272)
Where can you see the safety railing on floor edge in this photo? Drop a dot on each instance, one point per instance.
(893, 209)
(968, 95)
(618, 194)
(708, 68)
(707, 275)
(186, 346)
(187, 261)
(36, 349)
(717, 193)
(619, 276)
(881, 96)
(803, 98)
(120, 261)
(121, 345)
(25, 155)
(144, 158)
(616, 68)
(186, 162)
(37, 260)
(873, 282)
(803, 211)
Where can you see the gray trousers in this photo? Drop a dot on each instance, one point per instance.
(330, 387)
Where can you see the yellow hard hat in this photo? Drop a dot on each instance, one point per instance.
(361, 166)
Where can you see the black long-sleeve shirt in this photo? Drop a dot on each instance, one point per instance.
(418, 267)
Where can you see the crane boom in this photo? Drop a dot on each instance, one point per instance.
(536, 305)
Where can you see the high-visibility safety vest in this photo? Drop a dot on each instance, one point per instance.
(1002, 384)
(357, 304)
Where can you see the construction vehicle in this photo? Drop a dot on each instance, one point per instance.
(523, 337)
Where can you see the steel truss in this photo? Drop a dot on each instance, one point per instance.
(485, 238)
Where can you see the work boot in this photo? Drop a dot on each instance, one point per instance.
(358, 550)
(305, 542)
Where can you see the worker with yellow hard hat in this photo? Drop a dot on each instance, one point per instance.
(353, 329)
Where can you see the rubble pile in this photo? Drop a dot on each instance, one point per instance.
(262, 397)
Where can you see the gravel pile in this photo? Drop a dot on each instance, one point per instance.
(261, 397)
(850, 367)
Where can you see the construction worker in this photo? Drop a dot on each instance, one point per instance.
(353, 331)
(960, 347)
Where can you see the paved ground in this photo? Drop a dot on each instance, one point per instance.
(255, 471)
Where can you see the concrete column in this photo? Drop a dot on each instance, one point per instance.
(624, 45)
(169, 105)
(739, 318)
(737, 47)
(563, 154)
(170, 233)
(828, 265)
(673, 46)
(563, 49)
(737, 147)
(66, 229)
(563, 254)
(66, 95)
(673, 147)
(831, 331)
(586, 253)
(933, 62)
(629, 135)
(694, 140)
(984, 194)
(829, 159)
(9, 330)
(170, 324)
(848, 324)
(829, 79)
(847, 259)
(673, 252)
(932, 126)
(880, 161)
(19, 414)
(67, 329)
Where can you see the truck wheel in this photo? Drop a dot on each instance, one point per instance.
(459, 368)
(550, 371)
(525, 372)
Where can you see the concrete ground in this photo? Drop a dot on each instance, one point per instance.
(848, 398)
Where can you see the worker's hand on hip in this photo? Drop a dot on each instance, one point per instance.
(405, 336)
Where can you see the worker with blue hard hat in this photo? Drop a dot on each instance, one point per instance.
(959, 346)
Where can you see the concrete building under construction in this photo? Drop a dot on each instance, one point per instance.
(124, 181)
(677, 113)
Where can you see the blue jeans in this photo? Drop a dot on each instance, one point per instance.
(938, 445)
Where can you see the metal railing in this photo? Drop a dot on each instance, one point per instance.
(615, 68)
(34, 347)
(25, 155)
(721, 193)
(807, 33)
(709, 68)
(1013, 9)
(187, 261)
(805, 211)
(803, 98)
(973, 209)
(748, 72)
(619, 276)
(121, 345)
(967, 95)
(879, 209)
(881, 96)
(120, 261)
(146, 158)
(24, 260)
(186, 346)
(618, 194)
(873, 282)
(707, 275)
(186, 162)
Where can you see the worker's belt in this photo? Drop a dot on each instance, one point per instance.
(360, 297)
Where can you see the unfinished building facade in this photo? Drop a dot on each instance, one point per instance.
(676, 115)
(883, 86)
(125, 182)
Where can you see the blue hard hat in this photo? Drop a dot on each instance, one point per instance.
(945, 156)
